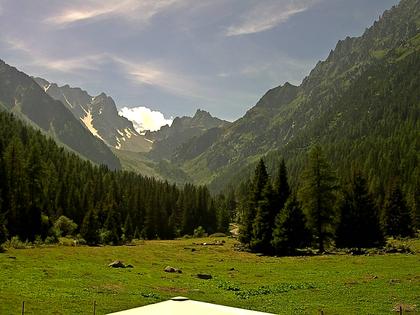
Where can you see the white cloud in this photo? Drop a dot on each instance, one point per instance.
(265, 16)
(144, 118)
(139, 10)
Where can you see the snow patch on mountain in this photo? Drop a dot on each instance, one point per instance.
(87, 120)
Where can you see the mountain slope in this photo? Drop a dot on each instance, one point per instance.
(99, 115)
(358, 102)
(169, 138)
(22, 96)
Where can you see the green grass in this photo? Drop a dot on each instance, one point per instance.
(66, 280)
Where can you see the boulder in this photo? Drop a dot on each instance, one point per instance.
(117, 264)
(172, 269)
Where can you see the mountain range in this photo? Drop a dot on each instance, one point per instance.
(361, 104)
(99, 115)
(21, 95)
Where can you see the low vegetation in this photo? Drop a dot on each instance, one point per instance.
(68, 279)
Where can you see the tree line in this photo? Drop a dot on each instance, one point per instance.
(320, 212)
(47, 191)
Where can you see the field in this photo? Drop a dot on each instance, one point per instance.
(67, 280)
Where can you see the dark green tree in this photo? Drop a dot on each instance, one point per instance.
(290, 231)
(231, 203)
(3, 229)
(128, 230)
(223, 214)
(90, 228)
(317, 194)
(262, 227)
(113, 225)
(397, 220)
(281, 186)
(359, 224)
(258, 183)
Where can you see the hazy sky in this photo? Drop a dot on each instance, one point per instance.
(175, 56)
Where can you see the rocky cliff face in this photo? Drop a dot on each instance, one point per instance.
(100, 116)
(27, 100)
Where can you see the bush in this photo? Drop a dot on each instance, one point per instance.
(16, 243)
(52, 239)
(105, 236)
(200, 232)
(64, 226)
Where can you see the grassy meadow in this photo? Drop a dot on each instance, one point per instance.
(67, 280)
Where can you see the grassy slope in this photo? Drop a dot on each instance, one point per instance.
(137, 162)
(66, 280)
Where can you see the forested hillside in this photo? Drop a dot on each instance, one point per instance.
(362, 104)
(41, 183)
(22, 96)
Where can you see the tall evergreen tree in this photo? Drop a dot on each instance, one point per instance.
(290, 231)
(397, 220)
(113, 225)
(128, 228)
(223, 214)
(259, 182)
(317, 194)
(281, 186)
(231, 203)
(359, 219)
(90, 227)
(262, 226)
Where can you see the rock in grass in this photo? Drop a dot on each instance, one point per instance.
(172, 269)
(204, 276)
(117, 264)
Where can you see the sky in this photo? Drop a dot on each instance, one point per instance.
(164, 58)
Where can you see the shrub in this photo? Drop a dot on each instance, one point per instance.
(16, 243)
(199, 232)
(64, 226)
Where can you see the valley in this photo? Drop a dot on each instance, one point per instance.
(67, 279)
(306, 203)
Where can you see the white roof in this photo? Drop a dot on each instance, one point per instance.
(184, 306)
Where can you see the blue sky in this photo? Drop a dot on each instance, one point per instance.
(175, 56)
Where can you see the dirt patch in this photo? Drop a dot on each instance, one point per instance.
(108, 288)
(172, 289)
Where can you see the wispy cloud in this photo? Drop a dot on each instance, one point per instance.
(265, 16)
(157, 75)
(139, 10)
(144, 118)
(42, 60)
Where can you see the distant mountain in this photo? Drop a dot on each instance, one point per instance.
(362, 104)
(169, 138)
(21, 95)
(99, 115)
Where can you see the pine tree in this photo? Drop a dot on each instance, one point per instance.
(397, 220)
(223, 214)
(290, 232)
(90, 227)
(262, 227)
(113, 225)
(231, 203)
(128, 228)
(317, 194)
(359, 220)
(259, 182)
(3, 229)
(281, 186)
